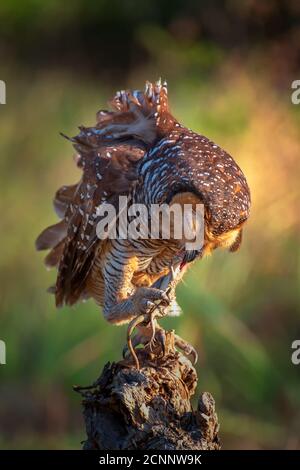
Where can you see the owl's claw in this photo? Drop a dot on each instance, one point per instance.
(160, 339)
(152, 303)
(187, 348)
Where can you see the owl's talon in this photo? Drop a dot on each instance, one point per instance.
(151, 302)
(187, 348)
(194, 355)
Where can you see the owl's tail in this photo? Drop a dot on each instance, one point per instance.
(142, 115)
(150, 110)
(153, 101)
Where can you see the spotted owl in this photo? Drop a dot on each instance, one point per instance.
(139, 150)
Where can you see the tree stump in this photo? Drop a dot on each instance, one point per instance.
(149, 408)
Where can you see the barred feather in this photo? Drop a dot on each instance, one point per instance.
(138, 149)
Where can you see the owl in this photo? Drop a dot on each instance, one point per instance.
(140, 151)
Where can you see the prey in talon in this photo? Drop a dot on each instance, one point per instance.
(139, 151)
(150, 334)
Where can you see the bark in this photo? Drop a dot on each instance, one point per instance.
(149, 408)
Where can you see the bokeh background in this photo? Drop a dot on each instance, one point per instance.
(229, 67)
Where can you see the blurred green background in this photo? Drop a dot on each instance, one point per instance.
(229, 67)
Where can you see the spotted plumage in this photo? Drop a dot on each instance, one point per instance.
(140, 150)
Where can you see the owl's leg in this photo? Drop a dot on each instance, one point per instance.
(123, 302)
(158, 309)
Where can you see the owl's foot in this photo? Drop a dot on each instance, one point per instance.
(154, 302)
(146, 300)
(151, 303)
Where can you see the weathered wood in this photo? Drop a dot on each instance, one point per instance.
(149, 408)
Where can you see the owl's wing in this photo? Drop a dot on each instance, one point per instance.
(108, 171)
(107, 154)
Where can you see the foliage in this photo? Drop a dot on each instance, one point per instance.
(241, 310)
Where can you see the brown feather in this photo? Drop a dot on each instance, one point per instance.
(51, 236)
(108, 154)
(108, 171)
(62, 199)
(53, 257)
(237, 243)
